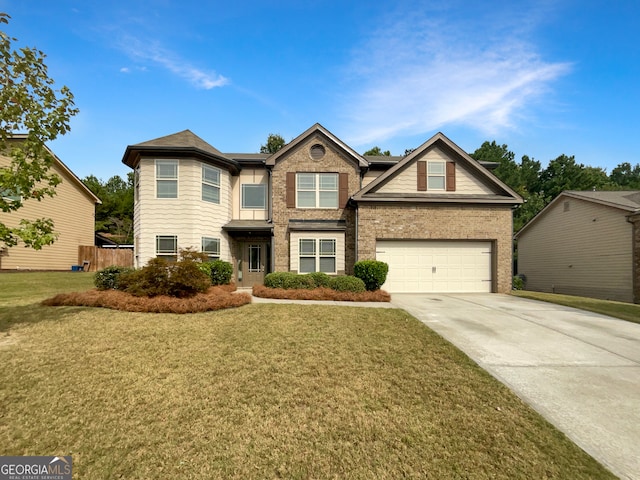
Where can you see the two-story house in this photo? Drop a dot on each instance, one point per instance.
(441, 220)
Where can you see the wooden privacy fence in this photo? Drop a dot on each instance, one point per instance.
(99, 258)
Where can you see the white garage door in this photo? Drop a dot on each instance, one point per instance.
(436, 266)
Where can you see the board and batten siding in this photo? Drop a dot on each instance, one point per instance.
(72, 210)
(188, 216)
(251, 176)
(580, 248)
(406, 180)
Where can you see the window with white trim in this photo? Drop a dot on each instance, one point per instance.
(211, 246)
(254, 196)
(317, 255)
(167, 247)
(210, 184)
(317, 190)
(436, 175)
(10, 195)
(166, 179)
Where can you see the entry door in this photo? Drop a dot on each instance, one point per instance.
(253, 262)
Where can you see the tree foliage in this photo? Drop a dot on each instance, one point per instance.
(115, 215)
(29, 105)
(274, 143)
(377, 151)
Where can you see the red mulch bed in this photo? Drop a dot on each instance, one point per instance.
(216, 298)
(320, 294)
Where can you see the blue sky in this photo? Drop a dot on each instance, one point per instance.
(543, 77)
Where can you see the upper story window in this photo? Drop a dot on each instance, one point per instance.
(254, 196)
(10, 195)
(210, 184)
(166, 178)
(436, 175)
(317, 190)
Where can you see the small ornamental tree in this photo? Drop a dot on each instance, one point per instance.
(32, 108)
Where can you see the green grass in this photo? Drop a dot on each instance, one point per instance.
(624, 311)
(262, 391)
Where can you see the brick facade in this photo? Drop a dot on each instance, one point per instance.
(433, 222)
(299, 160)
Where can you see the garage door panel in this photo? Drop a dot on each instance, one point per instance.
(436, 266)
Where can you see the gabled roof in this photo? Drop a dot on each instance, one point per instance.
(625, 200)
(317, 129)
(368, 193)
(181, 144)
(86, 190)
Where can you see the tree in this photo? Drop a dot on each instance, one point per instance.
(274, 143)
(626, 176)
(115, 214)
(28, 103)
(564, 173)
(377, 152)
(507, 170)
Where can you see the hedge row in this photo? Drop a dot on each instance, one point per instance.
(295, 281)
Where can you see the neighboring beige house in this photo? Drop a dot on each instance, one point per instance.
(72, 210)
(440, 219)
(586, 244)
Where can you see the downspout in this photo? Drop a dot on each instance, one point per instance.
(272, 256)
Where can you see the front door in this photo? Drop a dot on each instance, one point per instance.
(252, 264)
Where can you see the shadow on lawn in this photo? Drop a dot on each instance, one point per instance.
(33, 313)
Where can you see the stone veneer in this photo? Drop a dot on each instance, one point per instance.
(440, 222)
(299, 160)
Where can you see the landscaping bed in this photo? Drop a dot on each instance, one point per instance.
(215, 298)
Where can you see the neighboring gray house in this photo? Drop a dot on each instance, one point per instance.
(440, 219)
(586, 244)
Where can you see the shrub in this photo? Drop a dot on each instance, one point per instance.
(150, 281)
(347, 283)
(372, 272)
(320, 279)
(221, 272)
(518, 282)
(186, 279)
(108, 278)
(289, 281)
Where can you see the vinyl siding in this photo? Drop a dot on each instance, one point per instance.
(584, 251)
(73, 213)
(249, 176)
(406, 180)
(370, 176)
(188, 216)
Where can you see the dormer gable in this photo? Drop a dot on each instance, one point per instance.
(438, 171)
(324, 139)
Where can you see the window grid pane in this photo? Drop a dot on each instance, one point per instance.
(166, 245)
(317, 190)
(211, 175)
(435, 168)
(307, 181)
(254, 196)
(327, 247)
(167, 169)
(328, 264)
(210, 193)
(307, 246)
(211, 246)
(435, 183)
(167, 189)
(307, 264)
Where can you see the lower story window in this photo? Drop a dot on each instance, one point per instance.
(317, 255)
(211, 246)
(167, 247)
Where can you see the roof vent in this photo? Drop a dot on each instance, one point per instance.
(317, 151)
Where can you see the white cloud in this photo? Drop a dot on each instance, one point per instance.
(150, 51)
(412, 78)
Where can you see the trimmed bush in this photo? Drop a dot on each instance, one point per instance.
(288, 281)
(372, 272)
(108, 278)
(320, 279)
(221, 272)
(347, 283)
(518, 282)
(150, 281)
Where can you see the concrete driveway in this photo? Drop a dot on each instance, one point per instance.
(580, 370)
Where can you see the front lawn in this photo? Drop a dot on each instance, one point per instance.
(262, 391)
(624, 311)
